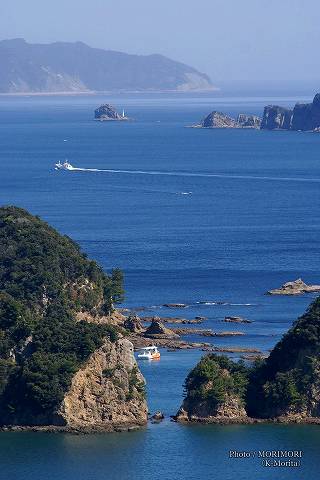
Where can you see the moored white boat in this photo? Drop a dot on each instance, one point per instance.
(149, 353)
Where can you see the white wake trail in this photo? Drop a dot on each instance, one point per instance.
(194, 174)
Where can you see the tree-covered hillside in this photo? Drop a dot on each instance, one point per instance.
(286, 384)
(45, 280)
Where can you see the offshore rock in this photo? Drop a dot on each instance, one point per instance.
(157, 417)
(175, 305)
(231, 319)
(158, 330)
(297, 287)
(108, 113)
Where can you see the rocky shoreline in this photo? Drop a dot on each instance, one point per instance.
(183, 418)
(157, 334)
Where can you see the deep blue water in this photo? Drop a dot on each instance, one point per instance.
(218, 215)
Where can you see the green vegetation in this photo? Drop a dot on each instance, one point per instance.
(283, 382)
(45, 281)
(135, 385)
(288, 381)
(213, 378)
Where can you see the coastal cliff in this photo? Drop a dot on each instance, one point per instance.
(304, 116)
(63, 361)
(285, 387)
(107, 393)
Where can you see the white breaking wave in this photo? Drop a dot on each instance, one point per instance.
(194, 174)
(208, 303)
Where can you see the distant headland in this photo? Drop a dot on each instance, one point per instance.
(64, 67)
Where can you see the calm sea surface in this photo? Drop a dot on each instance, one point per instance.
(192, 216)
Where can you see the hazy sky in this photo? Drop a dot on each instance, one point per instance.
(263, 41)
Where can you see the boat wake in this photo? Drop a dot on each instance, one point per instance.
(195, 174)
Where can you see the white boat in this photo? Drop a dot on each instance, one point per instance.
(63, 166)
(149, 353)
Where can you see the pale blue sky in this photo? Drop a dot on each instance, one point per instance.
(261, 41)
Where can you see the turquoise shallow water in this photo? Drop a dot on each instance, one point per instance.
(249, 224)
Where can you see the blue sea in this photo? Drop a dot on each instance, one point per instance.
(209, 218)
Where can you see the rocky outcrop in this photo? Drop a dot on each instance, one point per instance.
(107, 393)
(231, 319)
(248, 121)
(297, 287)
(221, 120)
(108, 113)
(158, 330)
(196, 320)
(304, 116)
(175, 305)
(230, 411)
(218, 120)
(215, 392)
(133, 324)
(157, 417)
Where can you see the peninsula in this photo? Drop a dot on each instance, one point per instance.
(64, 362)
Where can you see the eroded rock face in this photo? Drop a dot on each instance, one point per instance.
(107, 393)
(276, 118)
(304, 116)
(108, 112)
(231, 410)
(248, 121)
(133, 324)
